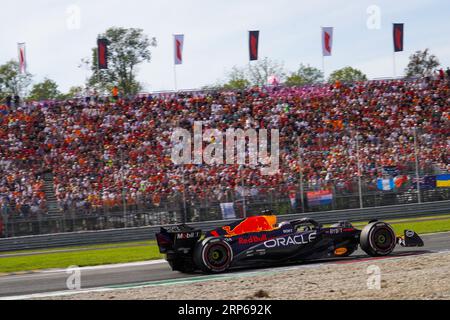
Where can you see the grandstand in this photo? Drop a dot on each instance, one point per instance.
(99, 163)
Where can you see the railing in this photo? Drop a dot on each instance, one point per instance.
(171, 210)
(148, 232)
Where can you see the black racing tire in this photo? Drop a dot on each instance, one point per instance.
(213, 255)
(378, 239)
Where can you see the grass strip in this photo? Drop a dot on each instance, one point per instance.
(140, 252)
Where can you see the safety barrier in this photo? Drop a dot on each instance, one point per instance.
(148, 232)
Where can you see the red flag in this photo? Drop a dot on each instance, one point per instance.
(102, 53)
(178, 46)
(22, 58)
(327, 41)
(253, 45)
(398, 37)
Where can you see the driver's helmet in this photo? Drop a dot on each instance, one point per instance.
(267, 212)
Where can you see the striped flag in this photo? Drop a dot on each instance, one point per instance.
(178, 48)
(385, 184)
(443, 181)
(22, 58)
(327, 41)
(317, 198)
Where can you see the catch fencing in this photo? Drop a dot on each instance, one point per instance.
(148, 232)
(191, 208)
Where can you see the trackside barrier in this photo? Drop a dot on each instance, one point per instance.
(148, 232)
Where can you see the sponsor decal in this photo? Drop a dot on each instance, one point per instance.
(252, 239)
(340, 251)
(288, 230)
(187, 235)
(259, 252)
(409, 233)
(252, 224)
(336, 231)
(291, 240)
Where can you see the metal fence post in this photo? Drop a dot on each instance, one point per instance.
(416, 159)
(300, 159)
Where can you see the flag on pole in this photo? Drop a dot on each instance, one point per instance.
(398, 37)
(327, 41)
(253, 44)
(22, 58)
(178, 48)
(102, 53)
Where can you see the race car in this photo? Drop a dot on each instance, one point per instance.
(261, 241)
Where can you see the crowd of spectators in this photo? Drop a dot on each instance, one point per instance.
(101, 151)
(21, 185)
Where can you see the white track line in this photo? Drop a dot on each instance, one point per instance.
(194, 279)
(109, 266)
(162, 261)
(161, 283)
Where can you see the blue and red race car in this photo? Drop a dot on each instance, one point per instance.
(260, 240)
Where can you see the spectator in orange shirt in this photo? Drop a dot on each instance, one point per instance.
(115, 93)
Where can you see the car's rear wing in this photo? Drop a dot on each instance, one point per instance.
(177, 238)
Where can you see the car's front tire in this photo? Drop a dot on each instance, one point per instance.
(213, 255)
(378, 239)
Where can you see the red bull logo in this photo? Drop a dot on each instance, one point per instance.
(252, 239)
(252, 224)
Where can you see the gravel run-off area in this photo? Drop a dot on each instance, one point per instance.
(424, 276)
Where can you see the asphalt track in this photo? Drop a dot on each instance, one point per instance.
(148, 272)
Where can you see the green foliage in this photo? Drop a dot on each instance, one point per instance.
(259, 71)
(347, 74)
(127, 48)
(421, 64)
(236, 79)
(12, 82)
(304, 75)
(255, 74)
(74, 92)
(45, 90)
(238, 84)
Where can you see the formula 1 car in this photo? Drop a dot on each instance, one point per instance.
(260, 240)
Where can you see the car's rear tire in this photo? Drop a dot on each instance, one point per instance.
(377, 239)
(213, 255)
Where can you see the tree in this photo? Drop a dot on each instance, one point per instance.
(236, 79)
(127, 48)
(304, 75)
(262, 69)
(12, 82)
(74, 92)
(45, 90)
(347, 74)
(422, 64)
